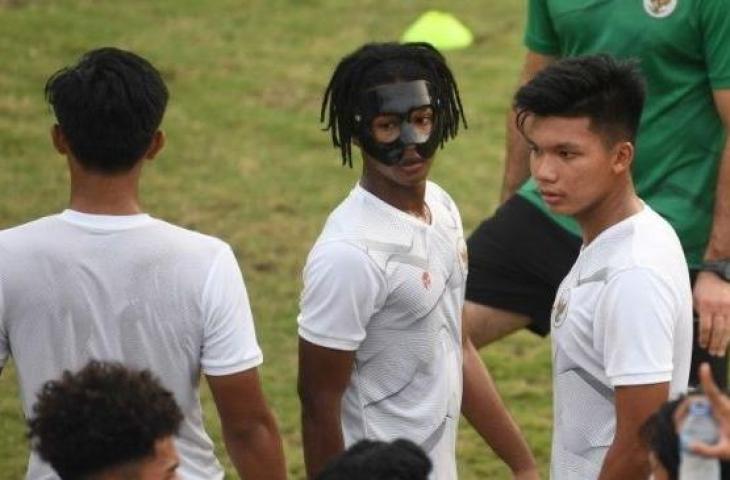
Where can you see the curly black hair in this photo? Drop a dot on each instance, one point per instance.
(103, 416)
(376, 64)
(374, 460)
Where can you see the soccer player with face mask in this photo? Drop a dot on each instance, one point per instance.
(381, 352)
(622, 317)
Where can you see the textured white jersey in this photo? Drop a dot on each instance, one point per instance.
(390, 287)
(132, 289)
(622, 316)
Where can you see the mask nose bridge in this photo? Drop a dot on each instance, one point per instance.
(409, 135)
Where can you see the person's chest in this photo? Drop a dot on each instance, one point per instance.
(642, 29)
(428, 275)
(574, 318)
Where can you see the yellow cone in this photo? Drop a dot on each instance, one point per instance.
(440, 29)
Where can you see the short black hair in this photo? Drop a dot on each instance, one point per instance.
(101, 417)
(375, 460)
(609, 92)
(109, 105)
(376, 64)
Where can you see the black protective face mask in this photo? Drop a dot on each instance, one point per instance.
(399, 100)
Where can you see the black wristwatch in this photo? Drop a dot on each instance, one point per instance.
(720, 267)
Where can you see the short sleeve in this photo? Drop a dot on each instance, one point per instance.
(229, 338)
(715, 20)
(540, 35)
(343, 288)
(635, 325)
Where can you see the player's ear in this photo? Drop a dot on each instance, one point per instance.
(157, 144)
(59, 140)
(623, 157)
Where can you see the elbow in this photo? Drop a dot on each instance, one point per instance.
(317, 403)
(258, 425)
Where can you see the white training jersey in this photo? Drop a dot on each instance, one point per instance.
(390, 287)
(132, 289)
(622, 316)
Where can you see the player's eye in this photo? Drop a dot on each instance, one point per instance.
(422, 119)
(566, 154)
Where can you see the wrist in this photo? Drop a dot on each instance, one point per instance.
(526, 465)
(720, 267)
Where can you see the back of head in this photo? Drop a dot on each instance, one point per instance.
(371, 460)
(109, 105)
(608, 91)
(377, 64)
(103, 416)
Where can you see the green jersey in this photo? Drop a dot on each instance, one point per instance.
(683, 47)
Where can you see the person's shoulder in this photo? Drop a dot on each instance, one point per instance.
(437, 197)
(340, 252)
(654, 240)
(365, 220)
(24, 233)
(650, 247)
(187, 240)
(436, 193)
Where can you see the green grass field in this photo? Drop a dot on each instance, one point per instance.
(246, 159)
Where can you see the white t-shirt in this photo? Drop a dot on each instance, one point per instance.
(132, 289)
(391, 288)
(622, 316)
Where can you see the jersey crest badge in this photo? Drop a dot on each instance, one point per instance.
(560, 309)
(426, 280)
(660, 8)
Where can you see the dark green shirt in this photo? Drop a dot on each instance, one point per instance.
(683, 47)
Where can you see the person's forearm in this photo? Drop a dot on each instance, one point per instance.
(517, 159)
(321, 438)
(256, 451)
(719, 244)
(625, 460)
(485, 411)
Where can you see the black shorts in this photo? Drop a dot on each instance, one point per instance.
(517, 259)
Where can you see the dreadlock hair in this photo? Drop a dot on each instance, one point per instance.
(376, 64)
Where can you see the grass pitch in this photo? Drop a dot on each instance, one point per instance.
(246, 159)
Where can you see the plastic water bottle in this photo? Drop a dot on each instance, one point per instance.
(699, 426)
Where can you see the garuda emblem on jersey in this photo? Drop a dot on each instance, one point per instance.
(560, 309)
(660, 8)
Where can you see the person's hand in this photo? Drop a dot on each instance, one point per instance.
(712, 304)
(531, 474)
(720, 410)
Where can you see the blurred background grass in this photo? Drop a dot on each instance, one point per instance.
(246, 159)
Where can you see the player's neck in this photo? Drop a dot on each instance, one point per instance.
(410, 199)
(105, 194)
(608, 211)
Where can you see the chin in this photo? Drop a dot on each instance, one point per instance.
(413, 182)
(563, 210)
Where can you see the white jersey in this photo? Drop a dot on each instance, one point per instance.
(132, 289)
(390, 287)
(622, 316)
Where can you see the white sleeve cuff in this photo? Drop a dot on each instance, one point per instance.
(219, 371)
(641, 379)
(346, 344)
